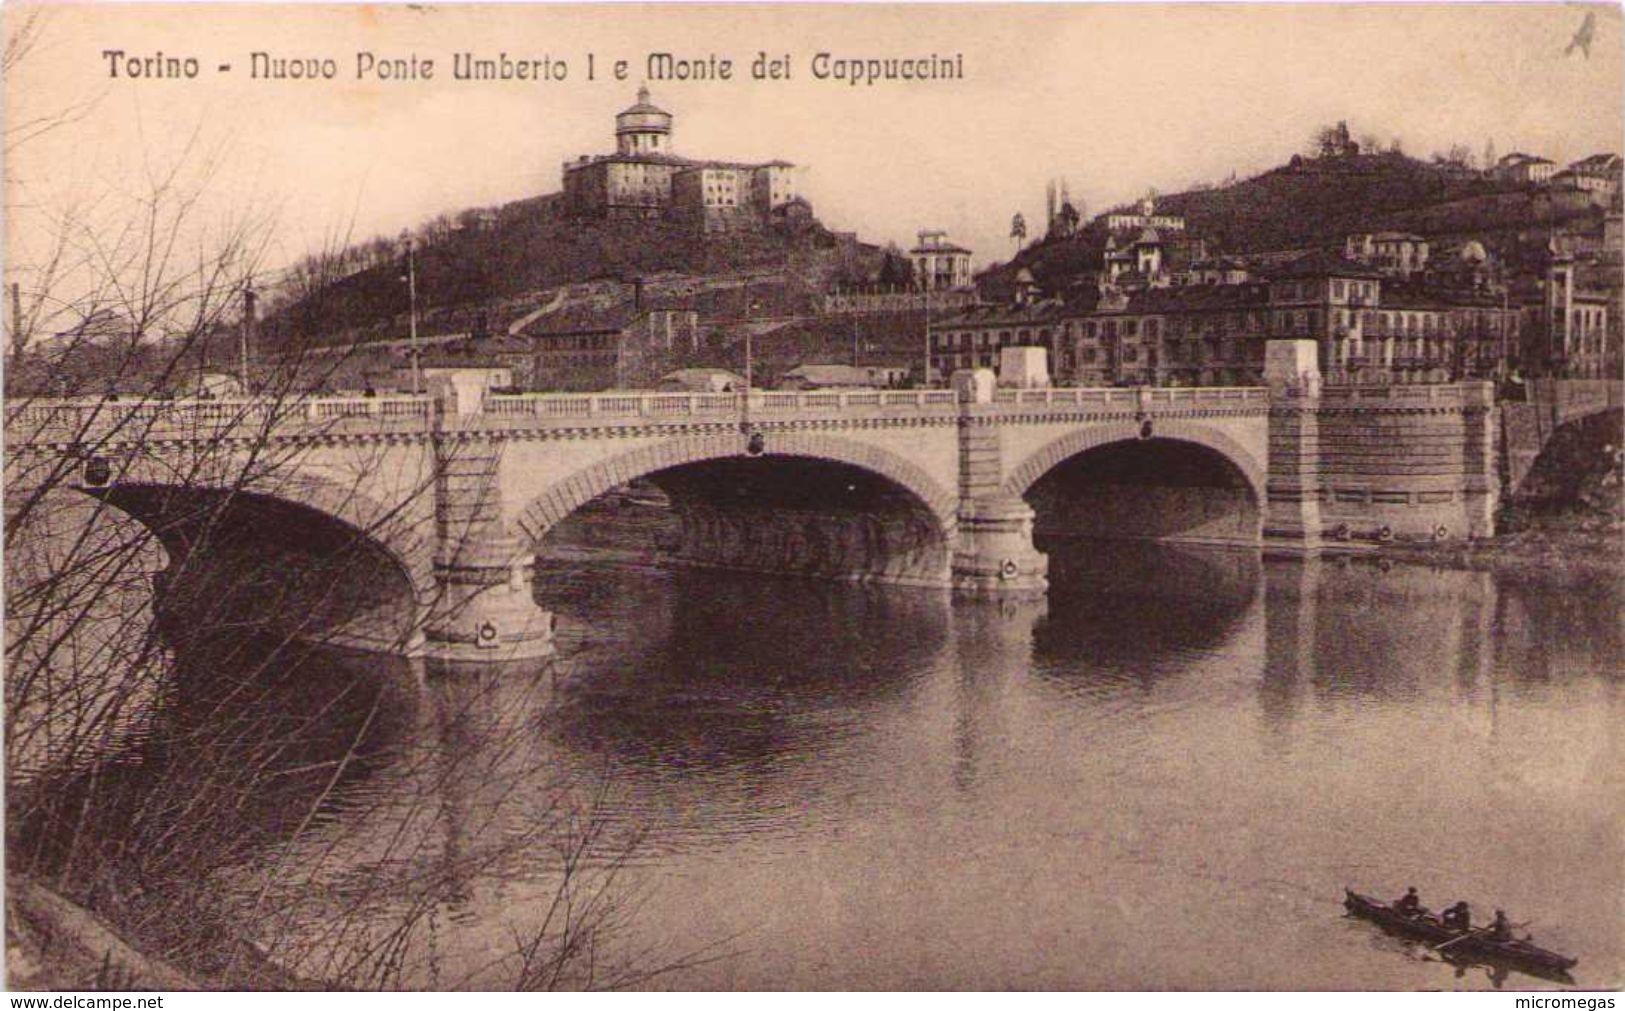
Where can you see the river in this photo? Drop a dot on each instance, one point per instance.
(1161, 776)
(1164, 775)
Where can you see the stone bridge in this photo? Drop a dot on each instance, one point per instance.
(1550, 404)
(936, 488)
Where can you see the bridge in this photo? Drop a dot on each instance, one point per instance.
(449, 498)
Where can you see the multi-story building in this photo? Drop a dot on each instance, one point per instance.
(646, 178)
(599, 345)
(1525, 168)
(1395, 254)
(939, 265)
(1144, 216)
(972, 339)
(1570, 333)
(1188, 335)
(1599, 173)
(1369, 329)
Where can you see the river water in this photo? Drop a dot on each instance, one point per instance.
(1163, 775)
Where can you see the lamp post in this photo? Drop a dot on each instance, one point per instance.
(925, 377)
(249, 297)
(412, 297)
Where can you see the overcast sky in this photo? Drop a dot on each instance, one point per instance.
(1114, 98)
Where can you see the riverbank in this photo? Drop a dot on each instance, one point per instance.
(55, 944)
(1569, 548)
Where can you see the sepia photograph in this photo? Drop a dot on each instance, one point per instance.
(814, 497)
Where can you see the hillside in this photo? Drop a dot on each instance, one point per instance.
(1317, 202)
(481, 277)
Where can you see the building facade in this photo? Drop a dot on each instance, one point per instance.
(1525, 168)
(645, 178)
(939, 265)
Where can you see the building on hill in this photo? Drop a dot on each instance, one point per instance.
(1143, 216)
(1212, 270)
(1518, 167)
(646, 179)
(1395, 254)
(599, 344)
(1599, 173)
(940, 265)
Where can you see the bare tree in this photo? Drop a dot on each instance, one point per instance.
(173, 757)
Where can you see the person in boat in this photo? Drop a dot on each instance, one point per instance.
(1458, 916)
(1410, 904)
(1501, 929)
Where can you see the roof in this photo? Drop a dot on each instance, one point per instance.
(840, 375)
(1597, 163)
(1408, 296)
(1322, 264)
(1047, 311)
(702, 378)
(1192, 298)
(1396, 237)
(646, 158)
(1218, 263)
(643, 106)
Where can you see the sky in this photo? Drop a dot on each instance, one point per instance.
(1114, 98)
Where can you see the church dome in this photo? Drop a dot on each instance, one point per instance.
(643, 117)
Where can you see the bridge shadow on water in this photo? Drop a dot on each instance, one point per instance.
(266, 565)
(1136, 610)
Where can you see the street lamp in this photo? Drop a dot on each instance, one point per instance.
(925, 377)
(249, 297)
(412, 296)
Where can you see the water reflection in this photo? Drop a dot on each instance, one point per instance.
(1098, 790)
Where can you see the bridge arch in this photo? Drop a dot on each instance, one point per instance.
(1025, 474)
(389, 529)
(561, 498)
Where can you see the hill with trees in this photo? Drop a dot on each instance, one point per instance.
(479, 270)
(1316, 201)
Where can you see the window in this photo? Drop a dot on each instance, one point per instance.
(1153, 328)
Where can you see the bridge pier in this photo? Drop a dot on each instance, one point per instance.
(1292, 523)
(994, 555)
(483, 610)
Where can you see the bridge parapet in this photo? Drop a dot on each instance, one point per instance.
(1134, 396)
(679, 405)
(57, 421)
(1470, 394)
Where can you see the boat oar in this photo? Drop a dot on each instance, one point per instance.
(1474, 932)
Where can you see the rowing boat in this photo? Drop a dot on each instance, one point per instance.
(1476, 943)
